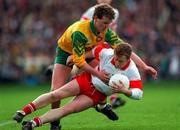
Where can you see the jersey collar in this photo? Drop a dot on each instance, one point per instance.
(99, 36)
(92, 27)
(124, 67)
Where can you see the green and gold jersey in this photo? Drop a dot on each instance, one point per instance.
(82, 36)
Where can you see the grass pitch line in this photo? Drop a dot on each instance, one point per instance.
(3, 123)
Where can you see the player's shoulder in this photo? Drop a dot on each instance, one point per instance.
(132, 68)
(132, 71)
(82, 22)
(107, 51)
(80, 25)
(132, 65)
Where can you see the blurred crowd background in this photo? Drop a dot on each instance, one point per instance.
(29, 30)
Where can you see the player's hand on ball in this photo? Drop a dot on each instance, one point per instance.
(118, 88)
(104, 76)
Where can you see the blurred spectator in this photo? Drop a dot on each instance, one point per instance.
(29, 31)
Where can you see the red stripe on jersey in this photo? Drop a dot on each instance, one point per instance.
(112, 61)
(99, 48)
(124, 67)
(136, 84)
(97, 51)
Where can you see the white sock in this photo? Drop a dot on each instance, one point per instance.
(33, 123)
(22, 112)
(101, 106)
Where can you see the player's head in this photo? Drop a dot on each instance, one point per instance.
(122, 54)
(103, 16)
(104, 1)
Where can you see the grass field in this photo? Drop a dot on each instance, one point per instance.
(158, 110)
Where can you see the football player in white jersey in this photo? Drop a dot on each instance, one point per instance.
(117, 61)
(88, 89)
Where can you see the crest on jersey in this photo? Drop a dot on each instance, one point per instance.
(99, 38)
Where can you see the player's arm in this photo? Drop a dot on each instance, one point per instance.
(95, 52)
(136, 89)
(79, 40)
(113, 40)
(136, 86)
(135, 92)
(142, 65)
(89, 54)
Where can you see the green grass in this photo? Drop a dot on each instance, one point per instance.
(158, 110)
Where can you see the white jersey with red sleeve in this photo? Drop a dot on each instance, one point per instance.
(88, 15)
(106, 62)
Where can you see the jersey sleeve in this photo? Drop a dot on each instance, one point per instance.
(98, 50)
(78, 41)
(134, 77)
(136, 84)
(112, 38)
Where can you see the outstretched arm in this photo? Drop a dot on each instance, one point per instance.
(141, 64)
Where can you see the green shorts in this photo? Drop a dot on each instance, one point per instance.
(61, 56)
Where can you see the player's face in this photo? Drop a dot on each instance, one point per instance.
(120, 61)
(102, 24)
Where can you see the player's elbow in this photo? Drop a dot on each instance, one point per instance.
(137, 94)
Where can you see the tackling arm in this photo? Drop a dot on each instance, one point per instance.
(113, 40)
(141, 64)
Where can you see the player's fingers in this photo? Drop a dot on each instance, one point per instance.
(114, 86)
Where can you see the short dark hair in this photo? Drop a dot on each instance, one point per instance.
(104, 10)
(123, 49)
